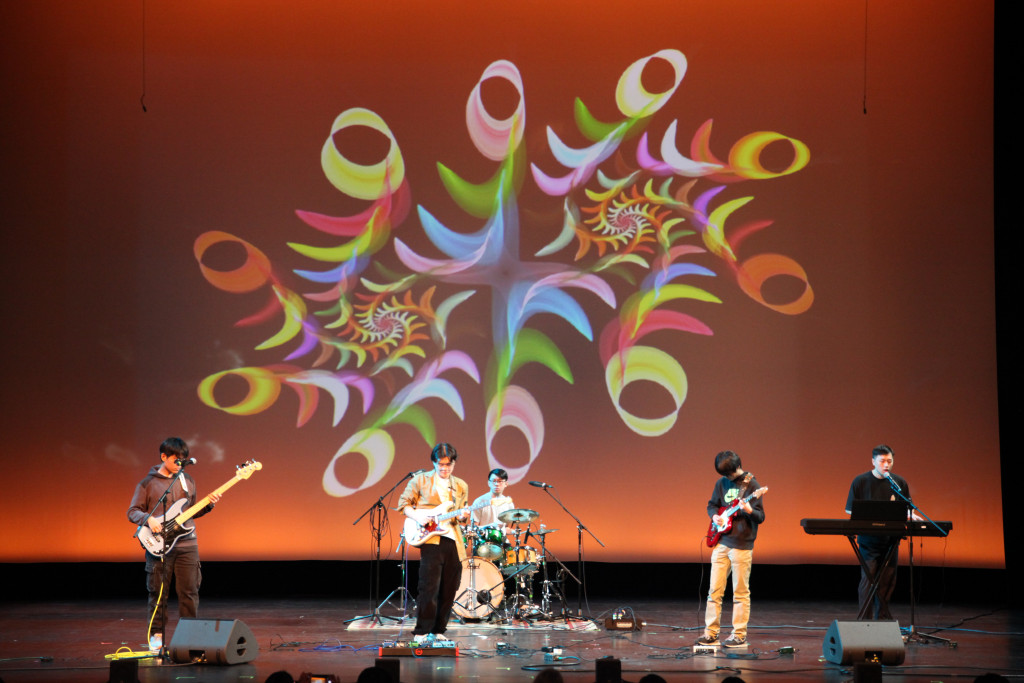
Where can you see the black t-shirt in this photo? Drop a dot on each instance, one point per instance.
(867, 486)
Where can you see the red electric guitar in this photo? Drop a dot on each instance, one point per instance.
(725, 513)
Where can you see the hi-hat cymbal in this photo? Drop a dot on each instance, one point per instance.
(518, 516)
(541, 532)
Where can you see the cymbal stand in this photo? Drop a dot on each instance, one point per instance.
(520, 608)
(548, 586)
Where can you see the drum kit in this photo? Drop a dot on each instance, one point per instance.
(494, 561)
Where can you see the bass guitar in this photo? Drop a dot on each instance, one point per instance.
(424, 524)
(725, 513)
(175, 527)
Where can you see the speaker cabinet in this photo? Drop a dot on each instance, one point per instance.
(213, 641)
(850, 642)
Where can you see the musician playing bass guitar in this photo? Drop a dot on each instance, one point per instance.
(426, 497)
(734, 551)
(181, 563)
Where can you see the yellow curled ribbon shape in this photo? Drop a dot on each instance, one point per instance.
(654, 365)
(264, 388)
(745, 155)
(371, 181)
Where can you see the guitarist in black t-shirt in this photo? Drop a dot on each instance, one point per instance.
(736, 492)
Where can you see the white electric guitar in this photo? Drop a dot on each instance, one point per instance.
(425, 522)
(173, 529)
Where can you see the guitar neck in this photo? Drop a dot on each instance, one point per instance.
(204, 501)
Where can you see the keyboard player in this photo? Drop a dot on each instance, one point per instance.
(877, 484)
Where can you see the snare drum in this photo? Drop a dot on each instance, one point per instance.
(481, 590)
(489, 544)
(520, 558)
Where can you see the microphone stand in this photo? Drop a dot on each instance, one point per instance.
(913, 635)
(378, 521)
(580, 528)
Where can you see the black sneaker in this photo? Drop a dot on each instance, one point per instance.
(735, 642)
(707, 640)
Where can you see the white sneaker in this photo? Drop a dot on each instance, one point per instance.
(422, 638)
(441, 638)
(156, 641)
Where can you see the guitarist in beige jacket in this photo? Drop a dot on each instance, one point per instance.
(426, 497)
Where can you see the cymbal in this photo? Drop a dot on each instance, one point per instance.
(518, 516)
(541, 532)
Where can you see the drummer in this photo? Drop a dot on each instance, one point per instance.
(487, 515)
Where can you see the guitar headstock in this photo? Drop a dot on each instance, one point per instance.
(245, 471)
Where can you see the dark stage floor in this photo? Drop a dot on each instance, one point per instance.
(68, 642)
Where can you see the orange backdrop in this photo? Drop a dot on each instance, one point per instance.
(133, 129)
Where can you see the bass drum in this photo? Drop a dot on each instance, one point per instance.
(480, 591)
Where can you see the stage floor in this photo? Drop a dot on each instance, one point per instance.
(68, 642)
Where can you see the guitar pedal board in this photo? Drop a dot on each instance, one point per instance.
(443, 648)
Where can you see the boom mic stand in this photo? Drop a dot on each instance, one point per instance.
(913, 635)
(580, 528)
(378, 524)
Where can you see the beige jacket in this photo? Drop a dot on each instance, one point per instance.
(419, 493)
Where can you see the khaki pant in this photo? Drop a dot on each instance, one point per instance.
(723, 561)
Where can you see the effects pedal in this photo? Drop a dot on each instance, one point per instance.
(622, 624)
(705, 649)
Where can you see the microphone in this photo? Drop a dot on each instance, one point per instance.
(186, 462)
(541, 485)
(892, 482)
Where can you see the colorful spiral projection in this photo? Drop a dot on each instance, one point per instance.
(631, 218)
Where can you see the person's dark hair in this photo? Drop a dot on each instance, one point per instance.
(174, 446)
(280, 677)
(375, 674)
(880, 449)
(548, 675)
(497, 472)
(726, 463)
(443, 450)
(652, 678)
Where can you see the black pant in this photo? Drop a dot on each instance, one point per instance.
(440, 574)
(182, 566)
(874, 555)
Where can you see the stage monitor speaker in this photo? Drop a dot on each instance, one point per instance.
(213, 641)
(850, 642)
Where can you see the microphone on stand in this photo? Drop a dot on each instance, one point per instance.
(892, 482)
(541, 485)
(185, 462)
